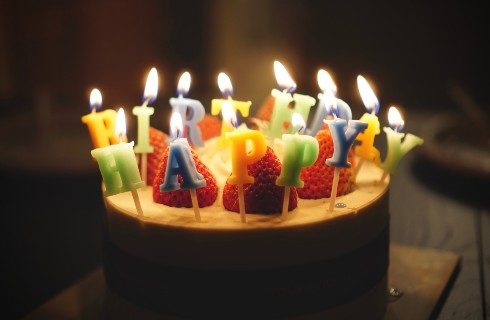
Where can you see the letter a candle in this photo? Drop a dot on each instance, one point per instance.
(241, 157)
(180, 162)
(143, 114)
(100, 124)
(396, 149)
(343, 134)
(300, 151)
(118, 166)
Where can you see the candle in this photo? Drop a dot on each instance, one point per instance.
(365, 149)
(226, 88)
(143, 114)
(240, 158)
(118, 166)
(100, 124)
(283, 103)
(299, 151)
(343, 134)
(325, 99)
(191, 111)
(396, 148)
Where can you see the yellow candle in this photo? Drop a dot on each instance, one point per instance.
(100, 124)
(241, 140)
(226, 88)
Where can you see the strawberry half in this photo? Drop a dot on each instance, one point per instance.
(262, 196)
(206, 196)
(158, 140)
(265, 111)
(319, 177)
(210, 127)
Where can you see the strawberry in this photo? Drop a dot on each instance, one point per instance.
(158, 140)
(210, 127)
(206, 196)
(265, 111)
(262, 196)
(318, 178)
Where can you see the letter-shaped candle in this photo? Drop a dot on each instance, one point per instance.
(217, 106)
(143, 114)
(118, 166)
(396, 148)
(191, 111)
(240, 158)
(281, 114)
(325, 99)
(100, 124)
(365, 149)
(300, 151)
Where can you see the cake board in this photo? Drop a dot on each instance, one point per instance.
(423, 276)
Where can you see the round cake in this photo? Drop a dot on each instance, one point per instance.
(314, 264)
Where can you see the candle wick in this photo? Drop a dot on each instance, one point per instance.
(94, 109)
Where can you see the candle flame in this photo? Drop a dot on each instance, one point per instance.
(224, 84)
(95, 99)
(228, 114)
(298, 122)
(151, 87)
(176, 126)
(283, 78)
(395, 119)
(184, 84)
(367, 95)
(325, 81)
(120, 127)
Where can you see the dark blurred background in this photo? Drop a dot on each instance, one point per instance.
(53, 52)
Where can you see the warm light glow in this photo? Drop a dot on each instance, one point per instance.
(120, 128)
(184, 84)
(283, 78)
(228, 114)
(224, 84)
(298, 122)
(176, 126)
(395, 119)
(325, 81)
(151, 87)
(367, 95)
(95, 99)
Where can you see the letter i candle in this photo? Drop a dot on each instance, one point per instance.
(181, 163)
(118, 165)
(300, 151)
(143, 114)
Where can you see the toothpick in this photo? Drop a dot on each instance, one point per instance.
(195, 204)
(137, 203)
(144, 166)
(241, 203)
(358, 168)
(335, 184)
(285, 202)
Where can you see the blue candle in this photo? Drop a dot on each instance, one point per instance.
(183, 105)
(343, 135)
(180, 162)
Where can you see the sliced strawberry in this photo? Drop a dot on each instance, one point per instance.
(210, 127)
(158, 140)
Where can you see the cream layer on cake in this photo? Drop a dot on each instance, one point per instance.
(172, 236)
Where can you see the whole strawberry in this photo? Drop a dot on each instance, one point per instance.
(158, 140)
(210, 127)
(262, 196)
(318, 177)
(206, 196)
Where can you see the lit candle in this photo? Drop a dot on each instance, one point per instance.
(118, 165)
(325, 99)
(100, 124)
(181, 163)
(299, 151)
(226, 88)
(365, 149)
(143, 114)
(283, 103)
(191, 111)
(343, 135)
(240, 158)
(396, 148)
